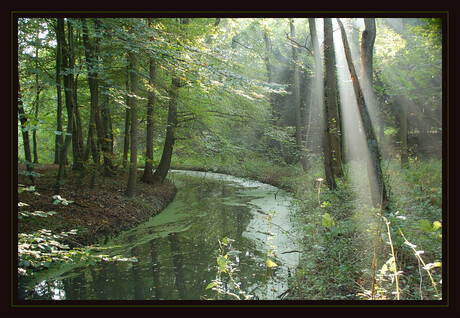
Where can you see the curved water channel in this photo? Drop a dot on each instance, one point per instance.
(177, 249)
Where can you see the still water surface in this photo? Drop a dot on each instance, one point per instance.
(176, 250)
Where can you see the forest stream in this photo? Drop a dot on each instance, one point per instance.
(177, 250)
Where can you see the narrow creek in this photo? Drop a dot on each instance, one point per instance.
(177, 249)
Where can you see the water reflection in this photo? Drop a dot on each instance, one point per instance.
(176, 250)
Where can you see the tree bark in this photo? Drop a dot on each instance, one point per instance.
(332, 109)
(330, 98)
(376, 182)
(317, 91)
(127, 123)
(25, 136)
(67, 56)
(37, 104)
(296, 93)
(148, 170)
(59, 134)
(131, 187)
(77, 135)
(165, 161)
(92, 62)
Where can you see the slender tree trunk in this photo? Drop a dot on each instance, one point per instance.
(330, 98)
(127, 123)
(296, 93)
(126, 136)
(92, 61)
(37, 104)
(69, 100)
(25, 136)
(165, 161)
(77, 135)
(59, 134)
(317, 88)
(376, 182)
(106, 114)
(131, 187)
(148, 170)
(332, 109)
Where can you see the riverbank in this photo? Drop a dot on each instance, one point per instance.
(340, 227)
(97, 213)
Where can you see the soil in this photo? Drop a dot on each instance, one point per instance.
(97, 213)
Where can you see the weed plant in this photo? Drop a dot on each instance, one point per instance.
(353, 252)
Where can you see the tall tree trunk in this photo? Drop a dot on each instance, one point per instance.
(77, 135)
(25, 136)
(59, 134)
(69, 99)
(165, 161)
(367, 57)
(296, 93)
(376, 182)
(330, 98)
(317, 89)
(106, 113)
(332, 109)
(131, 187)
(127, 123)
(92, 61)
(37, 104)
(148, 170)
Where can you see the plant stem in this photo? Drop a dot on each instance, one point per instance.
(394, 258)
(374, 260)
(420, 259)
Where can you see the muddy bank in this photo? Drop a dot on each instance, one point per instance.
(97, 213)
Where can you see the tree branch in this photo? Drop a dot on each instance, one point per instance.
(300, 45)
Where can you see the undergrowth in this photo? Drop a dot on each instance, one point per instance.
(351, 249)
(356, 252)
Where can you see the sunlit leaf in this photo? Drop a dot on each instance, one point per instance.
(234, 252)
(432, 265)
(222, 262)
(270, 263)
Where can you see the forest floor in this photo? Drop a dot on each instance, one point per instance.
(97, 213)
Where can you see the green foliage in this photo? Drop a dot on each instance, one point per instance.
(59, 200)
(40, 249)
(225, 282)
(340, 230)
(327, 220)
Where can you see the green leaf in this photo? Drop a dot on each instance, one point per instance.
(211, 285)
(234, 252)
(326, 204)
(327, 220)
(270, 263)
(222, 262)
(436, 225)
(425, 226)
(432, 265)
